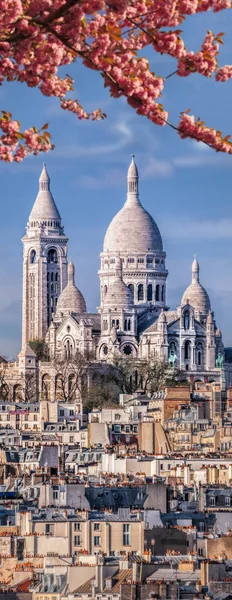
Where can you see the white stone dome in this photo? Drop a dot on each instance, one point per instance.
(195, 294)
(118, 294)
(71, 299)
(44, 207)
(133, 229)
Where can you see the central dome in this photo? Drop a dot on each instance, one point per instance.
(132, 229)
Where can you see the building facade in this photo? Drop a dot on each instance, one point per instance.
(133, 318)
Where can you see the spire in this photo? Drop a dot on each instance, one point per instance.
(44, 180)
(71, 272)
(132, 183)
(195, 270)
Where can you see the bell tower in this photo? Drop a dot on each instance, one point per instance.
(44, 263)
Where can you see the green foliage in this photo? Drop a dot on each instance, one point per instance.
(40, 348)
(101, 394)
(149, 375)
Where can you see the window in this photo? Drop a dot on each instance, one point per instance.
(131, 288)
(77, 526)
(71, 439)
(131, 260)
(140, 292)
(35, 417)
(47, 528)
(127, 349)
(126, 534)
(187, 319)
(77, 540)
(212, 501)
(140, 260)
(96, 526)
(187, 350)
(55, 495)
(52, 256)
(163, 293)
(157, 292)
(33, 257)
(149, 292)
(227, 500)
(97, 540)
(149, 260)
(61, 412)
(25, 417)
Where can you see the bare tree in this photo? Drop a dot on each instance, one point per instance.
(71, 376)
(4, 387)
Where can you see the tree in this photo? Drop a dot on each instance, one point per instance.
(4, 387)
(40, 348)
(71, 376)
(37, 37)
(149, 375)
(101, 395)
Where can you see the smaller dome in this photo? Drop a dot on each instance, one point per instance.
(195, 294)
(71, 299)
(118, 294)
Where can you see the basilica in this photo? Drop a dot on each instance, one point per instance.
(133, 318)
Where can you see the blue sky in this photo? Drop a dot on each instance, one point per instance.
(184, 185)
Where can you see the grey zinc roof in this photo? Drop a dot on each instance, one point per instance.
(171, 575)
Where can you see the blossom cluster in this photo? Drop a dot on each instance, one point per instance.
(40, 36)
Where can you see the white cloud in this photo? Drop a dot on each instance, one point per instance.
(188, 228)
(155, 167)
(112, 177)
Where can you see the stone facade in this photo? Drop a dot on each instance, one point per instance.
(44, 263)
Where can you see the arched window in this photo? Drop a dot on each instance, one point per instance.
(140, 292)
(46, 387)
(52, 256)
(17, 393)
(68, 347)
(59, 387)
(125, 325)
(163, 294)
(117, 324)
(172, 349)
(33, 257)
(157, 292)
(132, 289)
(149, 292)
(105, 289)
(105, 325)
(199, 354)
(187, 319)
(187, 350)
(129, 325)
